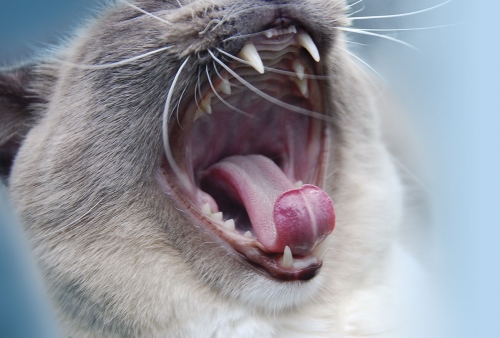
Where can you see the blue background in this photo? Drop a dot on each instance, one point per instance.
(451, 86)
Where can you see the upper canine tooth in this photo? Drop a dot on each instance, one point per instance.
(299, 69)
(287, 260)
(249, 53)
(306, 41)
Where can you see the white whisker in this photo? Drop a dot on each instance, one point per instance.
(360, 31)
(178, 105)
(166, 142)
(410, 29)
(402, 14)
(365, 63)
(411, 174)
(271, 99)
(115, 64)
(224, 101)
(274, 70)
(144, 12)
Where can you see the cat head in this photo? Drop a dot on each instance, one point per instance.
(148, 157)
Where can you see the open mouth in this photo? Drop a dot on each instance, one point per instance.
(248, 154)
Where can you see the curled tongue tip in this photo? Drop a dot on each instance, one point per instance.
(303, 217)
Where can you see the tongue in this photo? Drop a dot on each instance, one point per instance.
(281, 215)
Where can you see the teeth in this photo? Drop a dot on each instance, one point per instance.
(299, 69)
(306, 41)
(248, 234)
(229, 225)
(205, 209)
(298, 184)
(269, 34)
(287, 260)
(273, 32)
(217, 217)
(205, 104)
(250, 54)
(302, 84)
(198, 114)
(225, 87)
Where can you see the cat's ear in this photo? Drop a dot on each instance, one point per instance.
(16, 115)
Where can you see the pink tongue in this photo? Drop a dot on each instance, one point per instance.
(281, 215)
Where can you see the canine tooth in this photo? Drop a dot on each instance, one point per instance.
(299, 69)
(250, 54)
(248, 234)
(205, 104)
(229, 225)
(306, 41)
(217, 216)
(298, 184)
(302, 84)
(205, 209)
(287, 260)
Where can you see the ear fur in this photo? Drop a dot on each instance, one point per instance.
(16, 115)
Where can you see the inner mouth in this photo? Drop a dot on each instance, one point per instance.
(251, 147)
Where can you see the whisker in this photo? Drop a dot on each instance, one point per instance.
(230, 15)
(115, 64)
(271, 99)
(274, 70)
(224, 101)
(411, 174)
(363, 62)
(242, 36)
(166, 142)
(178, 105)
(411, 29)
(355, 3)
(144, 12)
(363, 32)
(402, 14)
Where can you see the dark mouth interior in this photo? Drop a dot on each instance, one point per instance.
(228, 120)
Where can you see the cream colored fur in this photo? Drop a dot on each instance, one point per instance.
(121, 259)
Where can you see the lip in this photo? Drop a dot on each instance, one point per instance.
(292, 131)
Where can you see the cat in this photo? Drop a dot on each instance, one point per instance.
(209, 169)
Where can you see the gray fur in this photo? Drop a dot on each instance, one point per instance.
(119, 256)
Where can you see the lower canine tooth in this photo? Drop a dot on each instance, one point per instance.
(229, 225)
(306, 41)
(248, 234)
(287, 260)
(225, 87)
(249, 53)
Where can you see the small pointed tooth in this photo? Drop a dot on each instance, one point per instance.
(306, 41)
(250, 54)
(299, 69)
(218, 216)
(205, 209)
(287, 260)
(205, 105)
(225, 87)
(198, 114)
(293, 29)
(298, 184)
(269, 34)
(230, 225)
(248, 234)
(302, 84)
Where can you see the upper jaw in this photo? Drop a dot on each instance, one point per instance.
(266, 106)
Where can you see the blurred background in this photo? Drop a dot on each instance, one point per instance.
(449, 83)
